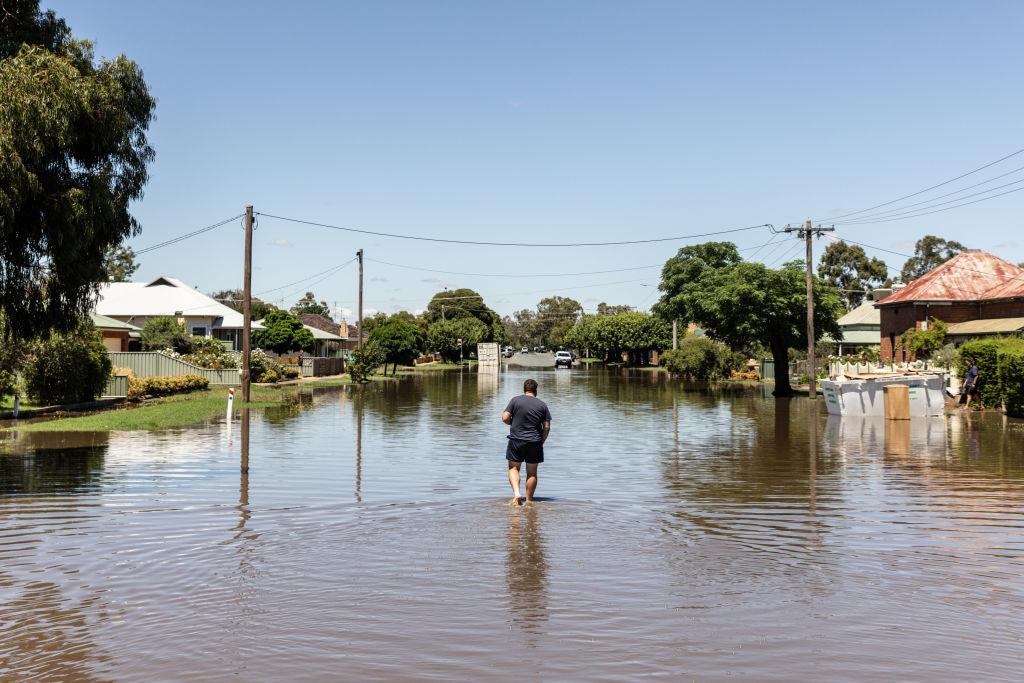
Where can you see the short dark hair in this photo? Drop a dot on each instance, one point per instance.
(530, 386)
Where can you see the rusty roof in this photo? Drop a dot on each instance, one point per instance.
(971, 275)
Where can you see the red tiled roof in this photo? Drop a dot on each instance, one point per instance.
(971, 275)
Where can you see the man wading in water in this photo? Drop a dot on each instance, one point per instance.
(530, 420)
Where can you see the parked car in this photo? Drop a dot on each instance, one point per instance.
(563, 359)
(508, 352)
(524, 350)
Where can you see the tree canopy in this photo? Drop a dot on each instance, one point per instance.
(743, 303)
(455, 304)
(556, 315)
(930, 252)
(609, 309)
(401, 341)
(632, 333)
(309, 304)
(73, 155)
(847, 268)
(120, 264)
(283, 332)
(232, 298)
(453, 338)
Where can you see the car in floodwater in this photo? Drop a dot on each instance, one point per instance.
(563, 359)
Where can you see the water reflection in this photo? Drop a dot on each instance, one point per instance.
(526, 570)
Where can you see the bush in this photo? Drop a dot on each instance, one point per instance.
(291, 373)
(364, 361)
(699, 358)
(1011, 377)
(263, 369)
(984, 352)
(165, 332)
(165, 385)
(210, 353)
(68, 368)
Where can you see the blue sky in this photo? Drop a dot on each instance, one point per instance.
(569, 121)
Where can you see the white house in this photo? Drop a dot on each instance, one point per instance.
(137, 302)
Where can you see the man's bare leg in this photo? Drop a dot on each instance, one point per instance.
(513, 480)
(531, 480)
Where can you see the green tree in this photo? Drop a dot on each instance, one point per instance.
(465, 303)
(608, 309)
(743, 303)
(923, 343)
(69, 368)
(847, 268)
(452, 338)
(309, 304)
(520, 328)
(73, 156)
(165, 332)
(635, 334)
(120, 264)
(232, 298)
(930, 252)
(400, 340)
(283, 332)
(556, 315)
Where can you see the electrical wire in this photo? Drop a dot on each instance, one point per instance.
(514, 244)
(322, 272)
(927, 213)
(189, 235)
(920, 192)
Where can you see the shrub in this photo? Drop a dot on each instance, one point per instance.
(262, 368)
(290, 373)
(984, 352)
(210, 353)
(1011, 378)
(165, 385)
(165, 332)
(364, 361)
(68, 368)
(700, 358)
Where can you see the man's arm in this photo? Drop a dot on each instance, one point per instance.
(506, 417)
(545, 431)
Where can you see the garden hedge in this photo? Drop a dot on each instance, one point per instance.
(1011, 378)
(984, 352)
(165, 385)
(1001, 363)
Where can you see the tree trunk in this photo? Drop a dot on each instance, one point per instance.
(780, 354)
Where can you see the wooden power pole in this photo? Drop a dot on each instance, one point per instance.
(806, 232)
(359, 255)
(247, 305)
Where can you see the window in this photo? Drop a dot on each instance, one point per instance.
(198, 331)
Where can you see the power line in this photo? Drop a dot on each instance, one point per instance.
(514, 244)
(180, 238)
(310, 277)
(920, 192)
(926, 213)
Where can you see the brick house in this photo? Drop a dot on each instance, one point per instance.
(972, 286)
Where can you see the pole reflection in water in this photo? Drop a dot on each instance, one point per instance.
(244, 461)
(526, 570)
(357, 404)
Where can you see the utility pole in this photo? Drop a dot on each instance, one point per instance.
(805, 233)
(359, 255)
(247, 305)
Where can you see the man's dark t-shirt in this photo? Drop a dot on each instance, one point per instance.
(972, 378)
(529, 414)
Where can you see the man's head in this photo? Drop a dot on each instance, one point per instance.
(530, 386)
(970, 361)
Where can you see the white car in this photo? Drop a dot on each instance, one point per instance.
(563, 358)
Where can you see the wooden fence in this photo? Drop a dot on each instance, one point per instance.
(322, 366)
(155, 364)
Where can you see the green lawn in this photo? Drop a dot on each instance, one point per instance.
(7, 404)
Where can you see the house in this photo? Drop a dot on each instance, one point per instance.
(117, 335)
(974, 293)
(862, 326)
(137, 302)
(327, 345)
(348, 334)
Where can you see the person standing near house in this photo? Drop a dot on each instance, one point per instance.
(971, 385)
(530, 422)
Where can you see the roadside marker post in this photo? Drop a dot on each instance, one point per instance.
(231, 404)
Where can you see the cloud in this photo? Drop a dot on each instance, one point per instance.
(432, 281)
(346, 313)
(367, 312)
(418, 311)
(378, 279)
(905, 244)
(1006, 245)
(502, 301)
(282, 243)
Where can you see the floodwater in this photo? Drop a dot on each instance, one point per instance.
(682, 534)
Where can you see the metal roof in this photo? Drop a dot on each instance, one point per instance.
(105, 323)
(971, 275)
(987, 326)
(857, 337)
(163, 296)
(319, 334)
(865, 314)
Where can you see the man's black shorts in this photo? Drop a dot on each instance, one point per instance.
(530, 452)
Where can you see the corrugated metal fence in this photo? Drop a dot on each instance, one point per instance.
(117, 387)
(154, 364)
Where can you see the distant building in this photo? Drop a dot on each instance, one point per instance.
(137, 302)
(117, 335)
(862, 326)
(975, 293)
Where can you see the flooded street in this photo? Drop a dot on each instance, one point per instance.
(679, 534)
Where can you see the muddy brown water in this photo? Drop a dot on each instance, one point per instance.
(682, 534)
